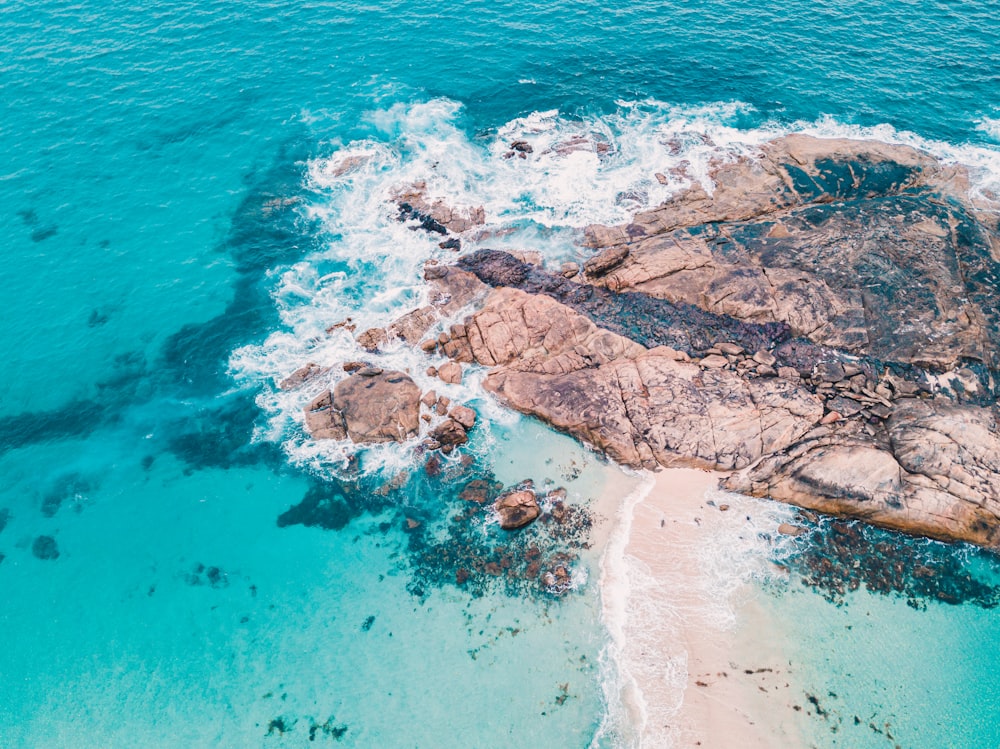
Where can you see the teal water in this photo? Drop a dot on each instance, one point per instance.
(178, 236)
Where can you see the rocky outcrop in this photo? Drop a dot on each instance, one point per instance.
(434, 215)
(867, 247)
(643, 407)
(823, 323)
(370, 406)
(934, 470)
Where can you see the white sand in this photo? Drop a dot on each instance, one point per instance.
(687, 623)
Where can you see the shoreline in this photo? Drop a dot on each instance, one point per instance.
(685, 624)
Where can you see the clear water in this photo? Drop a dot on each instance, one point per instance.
(153, 292)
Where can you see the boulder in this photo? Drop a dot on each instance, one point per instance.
(605, 261)
(517, 509)
(450, 372)
(370, 406)
(449, 432)
(464, 416)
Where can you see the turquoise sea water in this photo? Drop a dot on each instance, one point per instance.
(178, 236)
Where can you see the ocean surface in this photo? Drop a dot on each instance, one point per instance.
(193, 193)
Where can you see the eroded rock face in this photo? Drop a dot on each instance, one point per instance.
(370, 406)
(643, 407)
(933, 470)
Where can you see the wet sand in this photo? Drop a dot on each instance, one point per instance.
(701, 654)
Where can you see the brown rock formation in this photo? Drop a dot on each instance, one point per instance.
(880, 266)
(855, 244)
(435, 215)
(934, 471)
(824, 324)
(517, 509)
(369, 406)
(643, 407)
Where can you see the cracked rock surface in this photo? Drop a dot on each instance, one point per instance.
(824, 326)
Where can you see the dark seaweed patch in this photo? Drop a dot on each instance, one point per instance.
(456, 547)
(328, 729)
(220, 436)
(213, 576)
(838, 557)
(74, 419)
(98, 317)
(280, 725)
(45, 547)
(635, 315)
(44, 232)
(71, 486)
(330, 505)
(4, 518)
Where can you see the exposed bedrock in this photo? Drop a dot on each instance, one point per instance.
(824, 325)
(370, 406)
(871, 248)
(933, 470)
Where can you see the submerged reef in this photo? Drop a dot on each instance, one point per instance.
(454, 531)
(836, 557)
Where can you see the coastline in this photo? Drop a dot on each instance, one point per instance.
(685, 623)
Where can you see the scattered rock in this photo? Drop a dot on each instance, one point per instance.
(828, 371)
(787, 529)
(569, 270)
(765, 358)
(464, 416)
(449, 434)
(450, 372)
(373, 339)
(605, 261)
(714, 361)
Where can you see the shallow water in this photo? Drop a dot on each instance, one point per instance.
(177, 241)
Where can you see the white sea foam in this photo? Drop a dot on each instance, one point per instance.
(990, 126)
(625, 713)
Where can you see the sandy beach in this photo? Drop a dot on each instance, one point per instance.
(700, 656)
